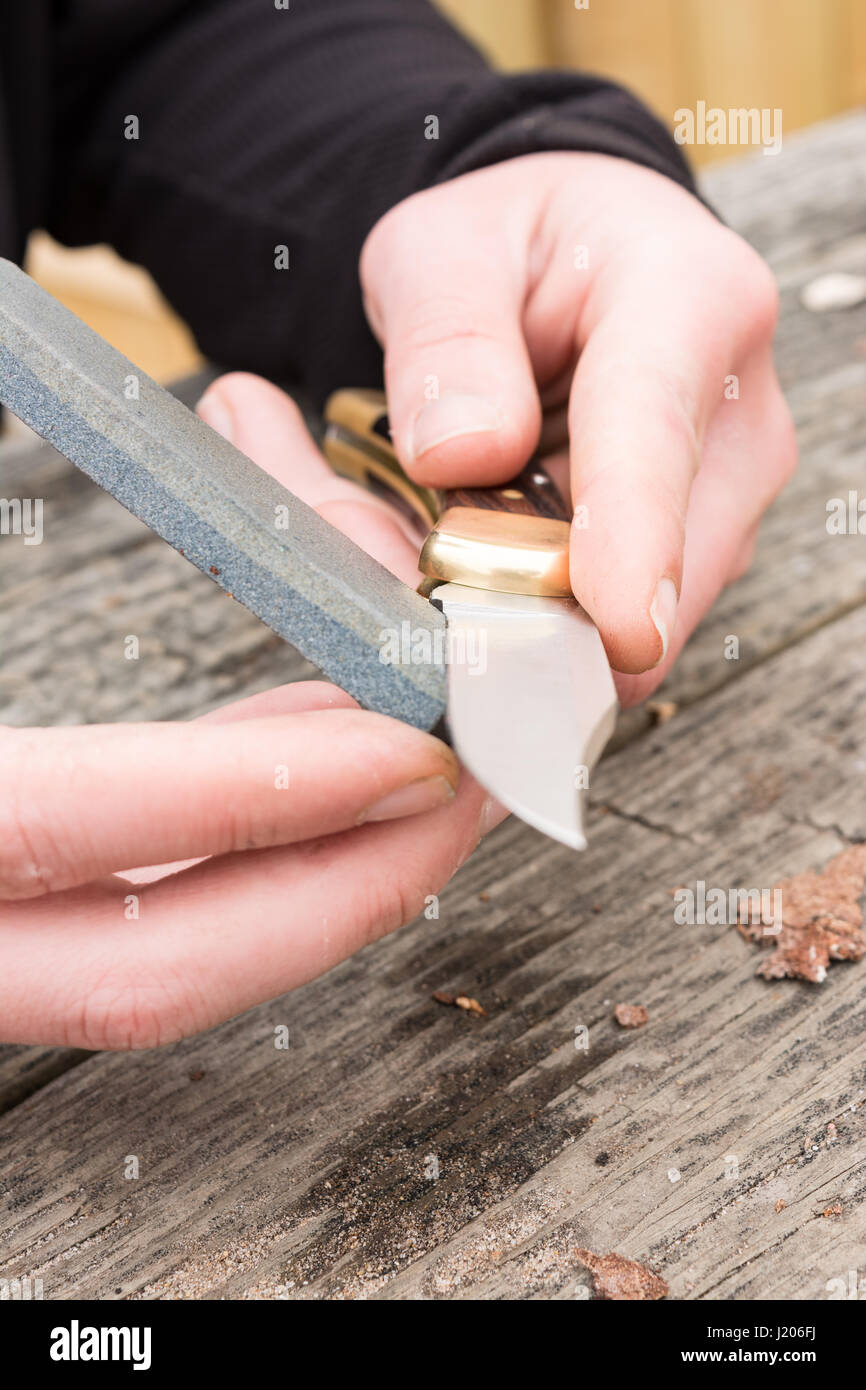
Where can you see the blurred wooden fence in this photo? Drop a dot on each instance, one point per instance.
(804, 57)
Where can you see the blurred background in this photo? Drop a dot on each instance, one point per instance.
(807, 57)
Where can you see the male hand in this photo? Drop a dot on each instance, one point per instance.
(591, 308)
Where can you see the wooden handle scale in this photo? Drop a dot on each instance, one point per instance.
(514, 538)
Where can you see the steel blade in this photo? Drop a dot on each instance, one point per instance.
(531, 701)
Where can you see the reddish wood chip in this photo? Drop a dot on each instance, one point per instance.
(615, 1277)
(630, 1015)
(781, 1204)
(821, 920)
(835, 1210)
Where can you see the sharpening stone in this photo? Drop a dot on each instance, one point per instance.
(309, 583)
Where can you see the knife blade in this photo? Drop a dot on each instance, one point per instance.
(533, 707)
(531, 698)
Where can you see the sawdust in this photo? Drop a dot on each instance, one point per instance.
(615, 1277)
(631, 1015)
(489, 1248)
(821, 920)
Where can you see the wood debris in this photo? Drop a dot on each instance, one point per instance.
(460, 1001)
(615, 1277)
(835, 1210)
(821, 920)
(631, 1015)
(471, 1006)
(662, 710)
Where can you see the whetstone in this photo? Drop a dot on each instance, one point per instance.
(266, 547)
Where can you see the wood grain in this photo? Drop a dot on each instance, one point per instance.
(304, 1171)
(532, 493)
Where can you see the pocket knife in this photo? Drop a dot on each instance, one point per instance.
(531, 698)
(531, 703)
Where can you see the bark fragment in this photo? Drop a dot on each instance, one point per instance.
(615, 1277)
(821, 920)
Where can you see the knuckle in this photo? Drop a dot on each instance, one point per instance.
(389, 901)
(25, 847)
(446, 322)
(778, 447)
(402, 224)
(130, 1010)
(667, 399)
(743, 559)
(785, 454)
(755, 287)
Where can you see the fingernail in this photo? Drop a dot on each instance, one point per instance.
(663, 611)
(214, 411)
(410, 800)
(450, 417)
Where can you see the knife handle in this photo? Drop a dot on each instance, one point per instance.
(513, 539)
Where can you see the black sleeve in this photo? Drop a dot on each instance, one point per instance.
(261, 127)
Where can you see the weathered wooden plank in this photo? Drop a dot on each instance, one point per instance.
(303, 1172)
(25, 1070)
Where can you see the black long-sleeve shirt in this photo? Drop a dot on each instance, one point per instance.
(261, 127)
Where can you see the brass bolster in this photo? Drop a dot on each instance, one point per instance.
(505, 551)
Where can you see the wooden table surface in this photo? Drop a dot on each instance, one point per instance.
(697, 1144)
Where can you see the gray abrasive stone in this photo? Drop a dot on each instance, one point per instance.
(309, 583)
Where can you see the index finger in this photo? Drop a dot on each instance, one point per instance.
(84, 802)
(648, 380)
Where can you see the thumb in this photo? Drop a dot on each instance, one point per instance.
(445, 301)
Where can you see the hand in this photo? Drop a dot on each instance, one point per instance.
(323, 826)
(594, 309)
